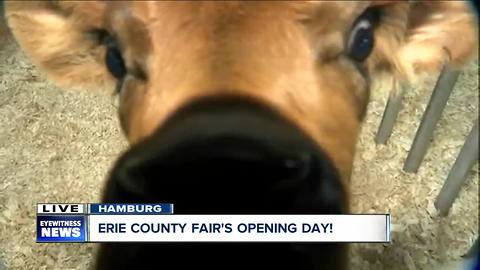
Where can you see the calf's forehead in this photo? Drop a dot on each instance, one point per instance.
(149, 10)
(153, 33)
(157, 14)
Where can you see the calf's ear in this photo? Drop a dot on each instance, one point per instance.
(444, 32)
(61, 39)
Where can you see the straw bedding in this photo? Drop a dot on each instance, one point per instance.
(58, 145)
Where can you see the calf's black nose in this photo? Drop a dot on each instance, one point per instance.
(228, 156)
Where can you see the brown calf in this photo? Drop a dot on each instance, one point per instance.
(254, 106)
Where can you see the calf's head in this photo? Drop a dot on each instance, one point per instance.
(239, 107)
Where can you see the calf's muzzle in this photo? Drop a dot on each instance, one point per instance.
(228, 155)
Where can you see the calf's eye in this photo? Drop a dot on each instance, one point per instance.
(114, 60)
(361, 40)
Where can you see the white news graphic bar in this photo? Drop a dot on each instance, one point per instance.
(264, 228)
(60, 208)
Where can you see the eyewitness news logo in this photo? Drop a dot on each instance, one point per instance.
(61, 223)
(69, 222)
(61, 229)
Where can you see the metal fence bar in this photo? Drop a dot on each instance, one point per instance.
(458, 174)
(390, 114)
(443, 88)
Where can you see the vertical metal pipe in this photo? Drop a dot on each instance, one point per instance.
(443, 88)
(458, 174)
(390, 114)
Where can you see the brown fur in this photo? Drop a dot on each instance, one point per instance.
(288, 55)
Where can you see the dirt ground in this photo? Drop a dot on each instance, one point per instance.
(58, 145)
